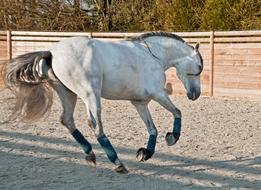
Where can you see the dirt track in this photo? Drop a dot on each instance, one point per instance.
(220, 148)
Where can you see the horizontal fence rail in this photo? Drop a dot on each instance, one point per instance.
(232, 60)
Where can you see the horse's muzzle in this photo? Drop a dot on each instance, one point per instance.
(193, 94)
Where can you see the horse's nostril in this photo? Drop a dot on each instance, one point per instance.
(190, 96)
(193, 95)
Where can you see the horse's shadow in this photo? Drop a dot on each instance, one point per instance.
(182, 172)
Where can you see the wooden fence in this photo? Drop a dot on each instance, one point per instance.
(232, 60)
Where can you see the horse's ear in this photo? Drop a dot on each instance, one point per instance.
(197, 46)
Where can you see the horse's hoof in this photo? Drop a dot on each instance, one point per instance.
(91, 159)
(143, 154)
(121, 169)
(171, 138)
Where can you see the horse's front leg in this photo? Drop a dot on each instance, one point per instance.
(163, 99)
(144, 154)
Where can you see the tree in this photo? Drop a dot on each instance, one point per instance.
(130, 15)
(219, 15)
(248, 14)
(183, 15)
(54, 15)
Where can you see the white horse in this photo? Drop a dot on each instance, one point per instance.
(132, 69)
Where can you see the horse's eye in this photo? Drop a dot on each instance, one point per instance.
(191, 74)
(200, 68)
(194, 74)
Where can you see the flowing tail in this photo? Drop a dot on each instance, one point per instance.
(27, 77)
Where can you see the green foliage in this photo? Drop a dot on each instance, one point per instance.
(130, 15)
(218, 15)
(249, 14)
(184, 15)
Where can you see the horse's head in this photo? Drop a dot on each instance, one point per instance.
(189, 70)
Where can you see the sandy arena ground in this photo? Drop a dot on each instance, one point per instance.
(220, 148)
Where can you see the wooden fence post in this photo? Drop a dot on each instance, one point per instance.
(9, 44)
(212, 58)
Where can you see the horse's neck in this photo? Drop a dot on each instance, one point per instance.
(169, 52)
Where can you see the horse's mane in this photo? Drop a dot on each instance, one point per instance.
(158, 33)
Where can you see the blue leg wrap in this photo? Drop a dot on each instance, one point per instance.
(108, 148)
(86, 146)
(152, 144)
(177, 126)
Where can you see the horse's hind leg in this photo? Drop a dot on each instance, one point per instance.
(93, 105)
(144, 154)
(163, 99)
(68, 100)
